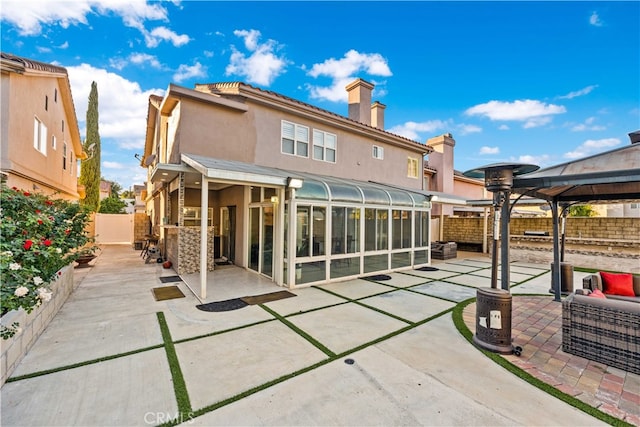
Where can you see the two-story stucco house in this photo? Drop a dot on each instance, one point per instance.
(39, 137)
(282, 188)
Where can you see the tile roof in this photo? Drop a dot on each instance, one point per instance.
(33, 65)
(235, 88)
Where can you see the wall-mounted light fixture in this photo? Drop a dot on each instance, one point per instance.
(274, 200)
(294, 182)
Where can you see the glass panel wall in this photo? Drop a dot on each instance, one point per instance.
(345, 230)
(318, 230)
(401, 229)
(376, 229)
(422, 229)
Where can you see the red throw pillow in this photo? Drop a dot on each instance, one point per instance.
(597, 294)
(617, 284)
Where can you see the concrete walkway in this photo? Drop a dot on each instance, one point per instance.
(359, 352)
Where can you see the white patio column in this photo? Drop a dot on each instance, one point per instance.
(204, 220)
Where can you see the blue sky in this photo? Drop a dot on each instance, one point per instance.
(534, 82)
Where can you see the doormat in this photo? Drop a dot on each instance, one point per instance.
(169, 279)
(427, 269)
(167, 292)
(378, 277)
(228, 305)
(261, 299)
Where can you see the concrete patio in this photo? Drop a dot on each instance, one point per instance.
(360, 352)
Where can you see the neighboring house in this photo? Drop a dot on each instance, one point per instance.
(39, 138)
(283, 188)
(105, 189)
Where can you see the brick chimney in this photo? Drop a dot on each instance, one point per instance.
(360, 101)
(377, 115)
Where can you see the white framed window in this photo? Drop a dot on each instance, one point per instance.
(39, 136)
(378, 152)
(295, 139)
(192, 215)
(325, 146)
(54, 143)
(412, 167)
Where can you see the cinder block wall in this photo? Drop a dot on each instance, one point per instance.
(140, 226)
(469, 230)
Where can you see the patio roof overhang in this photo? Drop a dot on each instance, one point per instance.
(220, 173)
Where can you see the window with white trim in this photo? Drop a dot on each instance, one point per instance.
(324, 146)
(39, 136)
(412, 167)
(295, 139)
(378, 152)
(54, 143)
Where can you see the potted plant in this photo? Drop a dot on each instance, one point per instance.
(86, 255)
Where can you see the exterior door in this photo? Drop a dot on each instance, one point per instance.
(261, 234)
(228, 232)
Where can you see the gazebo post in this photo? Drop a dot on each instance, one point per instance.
(555, 274)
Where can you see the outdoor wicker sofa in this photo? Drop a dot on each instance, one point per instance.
(605, 330)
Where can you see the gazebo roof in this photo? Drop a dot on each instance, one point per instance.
(613, 176)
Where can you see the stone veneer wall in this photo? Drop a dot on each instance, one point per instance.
(32, 324)
(189, 249)
(623, 230)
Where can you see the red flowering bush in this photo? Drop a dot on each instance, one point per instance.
(38, 237)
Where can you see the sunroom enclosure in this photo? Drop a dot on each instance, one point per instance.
(347, 229)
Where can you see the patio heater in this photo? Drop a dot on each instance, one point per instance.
(493, 305)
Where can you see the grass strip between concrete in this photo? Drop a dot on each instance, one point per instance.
(299, 331)
(81, 364)
(458, 321)
(179, 386)
(332, 357)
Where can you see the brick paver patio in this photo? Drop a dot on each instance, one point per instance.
(537, 328)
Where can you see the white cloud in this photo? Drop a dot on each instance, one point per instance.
(468, 129)
(592, 146)
(189, 71)
(41, 49)
(594, 20)
(489, 150)
(343, 71)
(588, 125)
(142, 58)
(540, 160)
(263, 65)
(122, 104)
(30, 15)
(64, 45)
(113, 165)
(581, 92)
(534, 113)
(136, 58)
(412, 130)
(153, 38)
(503, 127)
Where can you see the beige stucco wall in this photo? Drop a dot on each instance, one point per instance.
(23, 98)
(255, 137)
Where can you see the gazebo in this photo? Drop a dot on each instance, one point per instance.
(612, 176)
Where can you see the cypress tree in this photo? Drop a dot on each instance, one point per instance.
(90, 173)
